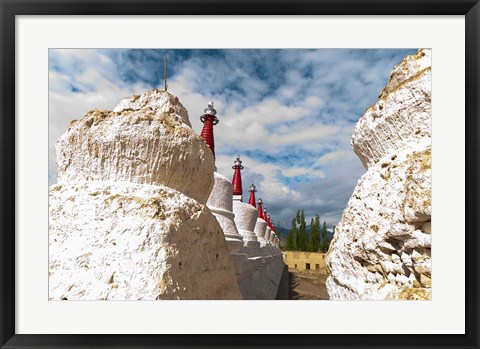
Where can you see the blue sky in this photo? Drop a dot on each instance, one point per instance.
(288, 113)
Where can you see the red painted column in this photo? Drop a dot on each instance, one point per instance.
(260, 209)
(209, 120)
(237, 177)
(251, 200)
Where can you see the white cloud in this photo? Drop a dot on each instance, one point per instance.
(302, 134)
(302, 171)
(269, 186)
(287, 92)
(334, 155)
(313, 101)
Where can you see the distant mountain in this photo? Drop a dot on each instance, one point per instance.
(284, 232)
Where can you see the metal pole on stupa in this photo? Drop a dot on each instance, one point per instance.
(209, 120)
(237, 179)
(252, 200)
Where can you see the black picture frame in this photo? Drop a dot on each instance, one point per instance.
(9, 9)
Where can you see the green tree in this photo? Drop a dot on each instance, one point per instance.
(317, 232)
(298, 239)
(311, 237)
(325, 239)
(302, 232)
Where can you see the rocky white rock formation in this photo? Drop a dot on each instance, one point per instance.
(398, 120)
(129, 242)
(127, 218)
(146, 140)
(382, 246)
(158, 101)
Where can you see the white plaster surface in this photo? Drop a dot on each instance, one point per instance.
(273, 237)
(268, 232)
(260, 230)
(245, 219)
(220, 203)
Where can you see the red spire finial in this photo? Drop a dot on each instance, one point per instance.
(269, 222)
(237, 177)
(273, 227)
(252, 191)
(260, 209)
(209, 120)
(265, 218)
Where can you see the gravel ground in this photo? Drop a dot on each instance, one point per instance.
(303, 285)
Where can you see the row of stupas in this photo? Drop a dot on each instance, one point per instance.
(268, 236)
(248, 229)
